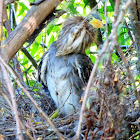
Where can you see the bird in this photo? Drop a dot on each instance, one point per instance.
(65, 68)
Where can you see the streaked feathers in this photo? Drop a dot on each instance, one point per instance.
(65, 68)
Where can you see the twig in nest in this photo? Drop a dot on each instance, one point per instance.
(30, 97)
(13, 99)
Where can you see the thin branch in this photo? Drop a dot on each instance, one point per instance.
(105, 45)
(9, 2)
(28, 55)
(27, 132)
(106, 18)
(6, 98)
(6, 21)
(116, 11)
(129, 73)
(30, 97)
(129, 32)
(1, 19)
(13, 99)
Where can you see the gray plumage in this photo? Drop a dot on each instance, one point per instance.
(65, 68)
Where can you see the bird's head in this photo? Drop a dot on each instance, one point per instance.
(77, 34)
(95, 20)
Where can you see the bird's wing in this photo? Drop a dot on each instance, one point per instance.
(42, 69)
(84, 67)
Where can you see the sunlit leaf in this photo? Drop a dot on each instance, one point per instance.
(72, 8)
(86, 2)
(112, 4)
(115, 57)
(93, 58)
(23, 8)
(51, 40)
(50, 27)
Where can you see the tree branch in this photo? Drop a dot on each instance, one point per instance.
(24, 30)
(1, 19)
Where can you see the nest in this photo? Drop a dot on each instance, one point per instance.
(110, 112)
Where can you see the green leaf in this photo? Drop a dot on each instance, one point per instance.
(124, 41)
(93, 58)
(122, 33)
(88, 51)
(137, 77)
(22, 93)
(49, 28)
(110, 9)
(25, 62)
(137, 137)
(51, 40)
(56, 28)
(38, 39)
(72, 8)
(115, 57)
(112, 4)
(86, 2)
(54, 115)
(23, 8)
(32, 49)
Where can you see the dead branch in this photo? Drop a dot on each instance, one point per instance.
(13, 99)
(1, 19)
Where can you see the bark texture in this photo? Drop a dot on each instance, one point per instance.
(135, 17)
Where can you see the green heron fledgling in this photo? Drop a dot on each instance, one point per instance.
(65, 68)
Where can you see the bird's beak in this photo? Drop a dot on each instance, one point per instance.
(96, 23)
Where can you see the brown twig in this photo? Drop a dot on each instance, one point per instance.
(106, 18)
(27, 132)
(6, 98)
(129, 72)
(8, 2)
(6, 21)
(29, 56)
(13, 99)
(128, 31)
(63, 103)
(1, 19)
(30, 97)
(11, 107)
(116, 10)
(105, 45)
